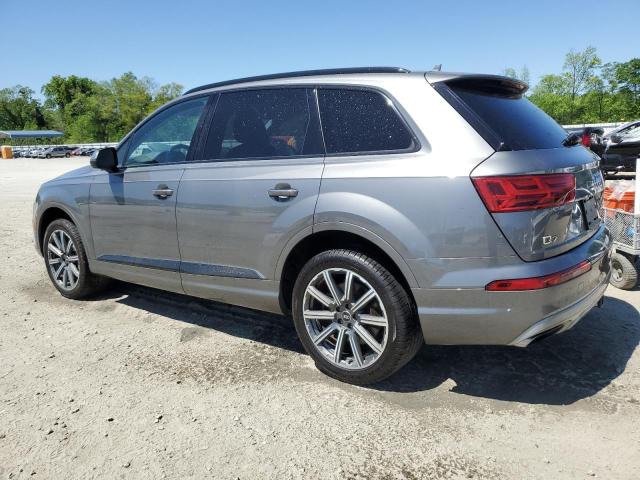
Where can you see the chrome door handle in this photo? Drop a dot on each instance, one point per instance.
(283, 191)
(162, 192)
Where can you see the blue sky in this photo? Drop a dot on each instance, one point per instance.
(194, 43)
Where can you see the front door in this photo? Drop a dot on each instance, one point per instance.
(133, 211)
(256, 185)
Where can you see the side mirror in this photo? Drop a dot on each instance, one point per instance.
(615, 138)
(105, 159)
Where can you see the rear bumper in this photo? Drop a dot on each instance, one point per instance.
(475, 316)
(564, 319)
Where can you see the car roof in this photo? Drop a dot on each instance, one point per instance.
(302, 73)
(361, 74)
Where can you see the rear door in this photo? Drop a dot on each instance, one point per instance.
(133, 217)
(544, 196)
(253, 187)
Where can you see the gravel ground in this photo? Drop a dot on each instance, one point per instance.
(145, 384)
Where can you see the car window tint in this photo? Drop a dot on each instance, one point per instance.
(166, 137)
(357, 121)
(259, 124)
(519, 124)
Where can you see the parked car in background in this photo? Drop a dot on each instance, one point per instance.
(332, 196)
(83, 151)
(58, 151)
(34, 152)
(619, 148)
(591, 137)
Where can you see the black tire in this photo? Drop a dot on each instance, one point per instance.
(404, 336)
(87, 283)
(47, 156)
(624, 274)
(67, 155)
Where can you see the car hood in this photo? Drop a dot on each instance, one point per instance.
(78, 173)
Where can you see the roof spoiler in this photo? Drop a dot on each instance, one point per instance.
(495, 84)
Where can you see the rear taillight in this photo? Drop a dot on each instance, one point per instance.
(586, 139)
(536, 283)
(526, 192)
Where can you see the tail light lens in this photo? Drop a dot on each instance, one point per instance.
(537, 283)
(586, 139)
(526, 192)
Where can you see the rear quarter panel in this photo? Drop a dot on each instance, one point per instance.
(422, 204)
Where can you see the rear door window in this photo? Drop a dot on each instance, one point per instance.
(361, 121)
(262, 124)
(514, 120)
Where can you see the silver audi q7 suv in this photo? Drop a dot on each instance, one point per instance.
(380, 208)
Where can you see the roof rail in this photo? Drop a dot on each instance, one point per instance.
(304, 73)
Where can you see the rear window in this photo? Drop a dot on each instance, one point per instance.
(517, 122)
(361, 121)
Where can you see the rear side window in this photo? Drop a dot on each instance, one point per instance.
(360, 121)
(270, 123)
(514, 120)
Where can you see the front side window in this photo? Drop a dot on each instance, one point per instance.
(259, 124)
(166, 138)
(360, 121)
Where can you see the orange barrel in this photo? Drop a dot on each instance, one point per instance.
(6, 152)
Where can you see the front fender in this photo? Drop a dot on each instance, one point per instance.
(73, 200)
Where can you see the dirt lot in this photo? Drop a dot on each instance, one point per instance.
(145, 384)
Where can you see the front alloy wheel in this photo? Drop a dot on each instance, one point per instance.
(63, 260)
(66, 261)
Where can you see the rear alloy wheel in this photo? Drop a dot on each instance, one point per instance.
(66, 261)
(624, 274)
(338, 325)
(354, 318)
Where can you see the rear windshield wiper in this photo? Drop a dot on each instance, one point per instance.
(572, 139)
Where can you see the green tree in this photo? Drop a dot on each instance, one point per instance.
(580, 93)
(88, 111)
(624, 81)
(165, 93)
(552, 94)
(62, 91)
(20, 110)
(579, 68)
